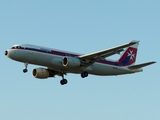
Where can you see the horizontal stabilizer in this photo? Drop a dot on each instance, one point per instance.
(141, 65)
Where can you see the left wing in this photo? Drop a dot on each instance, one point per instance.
(140, 65)
(89, 59)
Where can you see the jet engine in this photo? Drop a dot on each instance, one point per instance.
(40, 73)
(71, 62)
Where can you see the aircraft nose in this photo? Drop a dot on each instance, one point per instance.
(6, 52)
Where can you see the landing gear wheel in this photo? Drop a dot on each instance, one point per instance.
(84, 74)
(25, 70)
(63, 82)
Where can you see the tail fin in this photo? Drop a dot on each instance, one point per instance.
(129, 56)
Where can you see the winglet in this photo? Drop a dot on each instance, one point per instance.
(134, 42)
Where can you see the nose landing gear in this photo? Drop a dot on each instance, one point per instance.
(25, 70)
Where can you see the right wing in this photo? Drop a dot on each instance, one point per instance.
(89, 59)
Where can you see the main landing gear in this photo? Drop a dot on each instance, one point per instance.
(25, 70)
(84, 74)
(63, 81)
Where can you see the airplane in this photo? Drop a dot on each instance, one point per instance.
(58, 62)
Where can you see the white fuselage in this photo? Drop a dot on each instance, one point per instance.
(44, 57)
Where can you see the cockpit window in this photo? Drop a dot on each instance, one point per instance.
(16, 47)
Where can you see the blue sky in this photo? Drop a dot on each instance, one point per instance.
(83, 27)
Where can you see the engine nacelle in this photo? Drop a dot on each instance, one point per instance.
(71, 62)
(40, 73)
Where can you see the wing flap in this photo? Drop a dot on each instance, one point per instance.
(140, 65)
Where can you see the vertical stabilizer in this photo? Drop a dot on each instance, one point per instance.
(129, 56)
